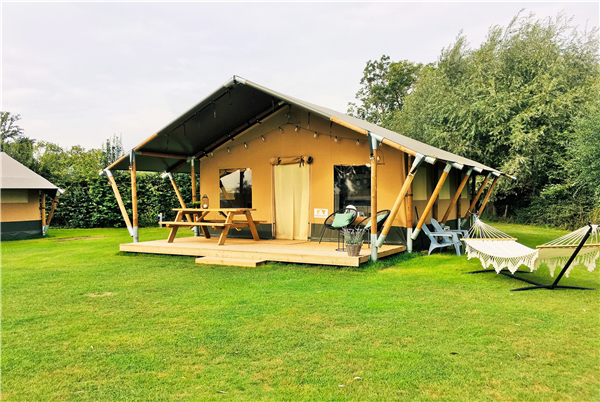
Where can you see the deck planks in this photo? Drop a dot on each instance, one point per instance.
(293, 251)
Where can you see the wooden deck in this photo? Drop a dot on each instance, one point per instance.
(248, 252)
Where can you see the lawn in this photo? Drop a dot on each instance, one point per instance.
(82, 321)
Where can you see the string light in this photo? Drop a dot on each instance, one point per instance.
(297, 129)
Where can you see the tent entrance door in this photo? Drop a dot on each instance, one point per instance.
(292, 195)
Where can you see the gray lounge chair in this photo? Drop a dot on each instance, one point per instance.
(446, 239)
(462, 234)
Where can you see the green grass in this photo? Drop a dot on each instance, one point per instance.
(411, 327)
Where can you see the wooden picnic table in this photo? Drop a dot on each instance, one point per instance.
(196, 217)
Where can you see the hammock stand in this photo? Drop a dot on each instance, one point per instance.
(555, 284)
(484, 233)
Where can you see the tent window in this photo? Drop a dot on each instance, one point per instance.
(236, 188)
(352, 186)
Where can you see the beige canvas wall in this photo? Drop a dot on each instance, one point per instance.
(14, 208)
(326, 153)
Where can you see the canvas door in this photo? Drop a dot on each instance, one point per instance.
(291, 201)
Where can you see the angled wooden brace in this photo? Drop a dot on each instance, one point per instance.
(457, 195)
(489, 193)
(434, 196)
(115, 189)
(419, 159)
(474, 203)
(179, 197)
(54, 202)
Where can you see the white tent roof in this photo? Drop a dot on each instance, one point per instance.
(16, 176)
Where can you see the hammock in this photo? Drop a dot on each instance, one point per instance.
(557, 252)
(496, 248)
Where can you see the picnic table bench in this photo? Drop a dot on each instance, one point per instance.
(199, 220)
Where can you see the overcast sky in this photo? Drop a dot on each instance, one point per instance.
(78, 73)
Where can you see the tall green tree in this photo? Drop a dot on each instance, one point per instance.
(384, 87)
(112, 149)
(13, 141)
(9, 130)
(512, 103)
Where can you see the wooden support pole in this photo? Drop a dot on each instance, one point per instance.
(474, 202)
(113, 185)
(399, 200)
(134, 206)
(487, 196)
(193, 172)
(373, 198)
(54, 202)
(457, 195)
(432, 200)
(409, 205)
(43, 208)
(194, 197)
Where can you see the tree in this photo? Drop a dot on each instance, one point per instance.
(385, 85)
(512, 103)
(9, 130)
(112, 150)
(14, 143)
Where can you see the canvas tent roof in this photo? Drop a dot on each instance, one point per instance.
(231, 109)
(16, 176)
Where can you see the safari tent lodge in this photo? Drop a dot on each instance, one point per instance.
(23, 201)
(293, 164)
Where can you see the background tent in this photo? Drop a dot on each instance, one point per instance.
(22, 200)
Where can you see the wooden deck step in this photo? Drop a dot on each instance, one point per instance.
(236, 262)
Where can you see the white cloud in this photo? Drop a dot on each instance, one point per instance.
(80, 72)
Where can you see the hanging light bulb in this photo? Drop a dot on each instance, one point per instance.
(281, 129)
(262, 137)
(212, 154)
(245, 145)
(228, 150)
(315, 135)
(297, 128)
(357, 142)
(335, 139)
